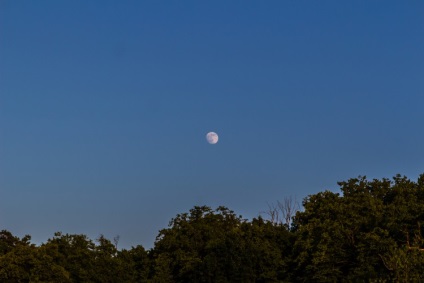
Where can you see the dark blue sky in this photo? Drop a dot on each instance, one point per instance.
(104, 107)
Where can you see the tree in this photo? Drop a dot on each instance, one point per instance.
(8, 242)
(135, 264)
(24, 262)
(208, 245)
(361, 234)
(201, 246)
(75, 253)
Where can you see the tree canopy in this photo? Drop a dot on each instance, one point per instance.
(369, 231)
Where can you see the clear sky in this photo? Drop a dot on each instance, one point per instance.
(104, 107)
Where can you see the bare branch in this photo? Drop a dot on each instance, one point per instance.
(283, 212)
(116, 241)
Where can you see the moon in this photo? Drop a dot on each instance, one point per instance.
(212, 137)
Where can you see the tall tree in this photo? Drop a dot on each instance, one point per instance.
(359, 234)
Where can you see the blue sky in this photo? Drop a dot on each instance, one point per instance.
(104, 107)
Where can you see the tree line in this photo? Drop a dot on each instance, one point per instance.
(370, 231)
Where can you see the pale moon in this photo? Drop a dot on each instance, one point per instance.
(212, 138)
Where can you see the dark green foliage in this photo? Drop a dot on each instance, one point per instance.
(369, 232)
(135, 263)
(373, 231)
(87, 262)
(208, 245)
(26, 263)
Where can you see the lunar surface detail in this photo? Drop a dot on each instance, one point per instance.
(212, 137)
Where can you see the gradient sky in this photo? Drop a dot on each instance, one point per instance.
(104, 107)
